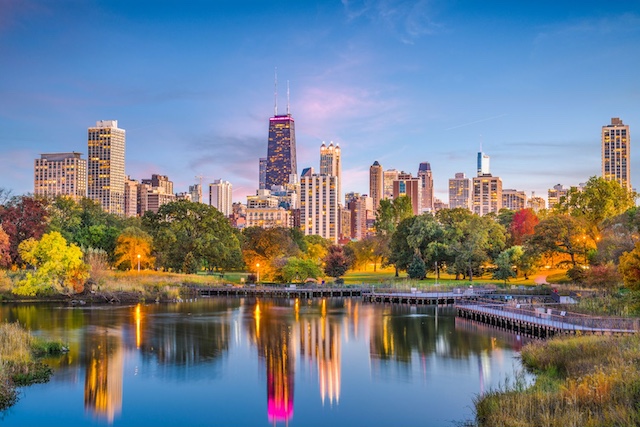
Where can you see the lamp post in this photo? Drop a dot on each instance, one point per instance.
(258, 273)
(138, 263)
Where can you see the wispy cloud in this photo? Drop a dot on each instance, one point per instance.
(408, 20)
(475, 121)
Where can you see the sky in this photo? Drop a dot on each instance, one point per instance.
(401, 82)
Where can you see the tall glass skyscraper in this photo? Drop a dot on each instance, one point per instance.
(616, 153)
(281, 151)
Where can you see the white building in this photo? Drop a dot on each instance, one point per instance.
(220, 196)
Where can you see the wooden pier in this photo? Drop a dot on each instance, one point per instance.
(279, 292)
(543, 322)
(418, 298)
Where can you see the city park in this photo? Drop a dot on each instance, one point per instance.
(587, 246)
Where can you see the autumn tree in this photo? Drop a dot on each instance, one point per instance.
(23, 218)
(629, 268)
(336, 262)
(559, 234)
(57, 266)
(133, 248)
(5, 256)
(522, 225)
(270, 248)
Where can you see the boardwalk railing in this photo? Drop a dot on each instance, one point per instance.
(548, 316)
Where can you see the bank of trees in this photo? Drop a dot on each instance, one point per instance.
(593, 232)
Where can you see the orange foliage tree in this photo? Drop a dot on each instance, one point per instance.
(133, 245)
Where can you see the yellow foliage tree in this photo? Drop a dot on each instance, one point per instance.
(133, 248)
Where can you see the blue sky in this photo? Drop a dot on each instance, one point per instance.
(401, 82)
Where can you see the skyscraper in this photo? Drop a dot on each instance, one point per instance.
(376, 184)
(60, 174)
(426, 187)
(555, 194)
(220, 196)
(105, 168)
(390, 175)
(460, 192)
(487, 194)
(616, 153)
(262, 173)
(281, 149)
(514, 200)
(331, 164)
(407, 185)
(483, 164)
(319, 205)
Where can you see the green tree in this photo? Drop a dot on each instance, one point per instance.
(57, 266)
(400, 253)
(270, 248)
(506, 263)
(298, 269)
(559, 234)
(417, 269)
(598, 200)
(391, 213)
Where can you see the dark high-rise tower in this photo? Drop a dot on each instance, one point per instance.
(281, 150)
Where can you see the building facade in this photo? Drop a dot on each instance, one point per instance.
(220, 196)
(555, 194)
(268, 217)
(514, 200)
(105, 166)
(390, 175)
(483, 164)
(407, 185)
(131, 197)
(262, 173)
(58, 174)
(426, 187)
(331, 163)
(487, 194)
(376, 184)
(616, 153)
(319, 205)
(281, 151)
(460, 192)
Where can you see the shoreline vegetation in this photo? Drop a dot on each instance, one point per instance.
(584, 381)
(20, 361)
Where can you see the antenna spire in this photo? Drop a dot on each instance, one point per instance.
(288, 113)
(275, 92)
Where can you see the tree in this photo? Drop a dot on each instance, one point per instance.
(270, 248)
(523, 225)
(598, 200)
(391, 213)
(133, 248)
(316, 247)
(181, 227)
(57, 265)
(559, 234)
(400, 253)
(629, 268)
(603, 276)
(426, 238)
(299, 269)
(336, 262)
(506, 262)
(417, 269)
(23, 218)
(5, 249)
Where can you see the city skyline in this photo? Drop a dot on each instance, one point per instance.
(395, 82)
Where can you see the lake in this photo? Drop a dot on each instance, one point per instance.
(247, 362)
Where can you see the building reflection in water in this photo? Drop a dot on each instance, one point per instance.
(316, 329)
(104, 362)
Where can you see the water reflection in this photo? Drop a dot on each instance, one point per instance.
(296, 341)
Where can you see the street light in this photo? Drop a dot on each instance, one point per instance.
(138, 263)
(258, 273)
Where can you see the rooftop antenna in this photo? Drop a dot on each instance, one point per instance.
(288, 114)
(275, 93)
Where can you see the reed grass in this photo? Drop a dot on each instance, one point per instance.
(19, 361)
(581, 381)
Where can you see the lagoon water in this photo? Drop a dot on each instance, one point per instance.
(248, 362)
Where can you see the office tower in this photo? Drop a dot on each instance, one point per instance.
(513, 199)
(131, 197)
(361, 209)
(319, 205)
(487, 194)
(281, 149)
(220, 196)
(345, 225)
(426, 187)
(390, 175)
(555, 194)
(460, 192)
(195, 193)
(60, 174)
(483, 164)
(407, 185)
(262, 173)
(616, 153)
(331, 163)
(154, 192)
(376, 184)
(105, 167)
